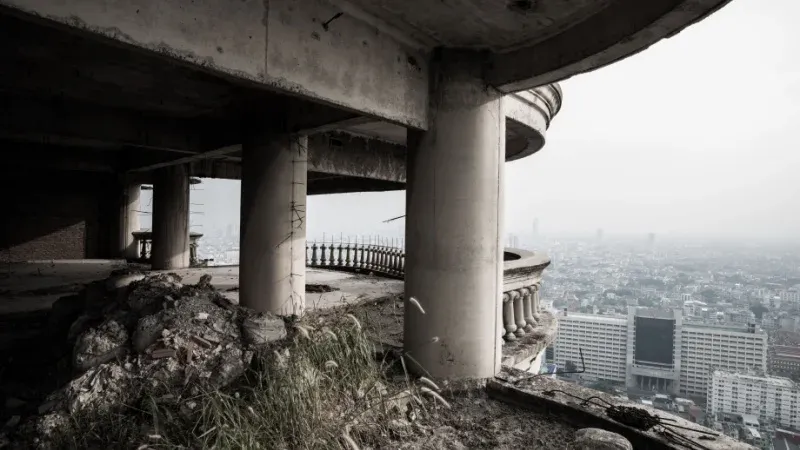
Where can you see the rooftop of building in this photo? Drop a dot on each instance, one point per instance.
(594, 318)
(753, 378)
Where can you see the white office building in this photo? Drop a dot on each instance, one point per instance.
(774, 400)
(705, 348)
(657, 351)
(603, 340)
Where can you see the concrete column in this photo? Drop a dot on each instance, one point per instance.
(129, 221)
(272, 262)
(170, 218)
(453, 225)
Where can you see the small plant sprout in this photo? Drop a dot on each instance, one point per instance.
(435, 395)
(330, 334)
(349, 440)
(415, 302)
(429, 383)
(303, 331)
(355, 321)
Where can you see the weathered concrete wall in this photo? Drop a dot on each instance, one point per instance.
(345, 154)
(281, 44)
(350, 63)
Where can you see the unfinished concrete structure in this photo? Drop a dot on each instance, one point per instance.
(299, 98)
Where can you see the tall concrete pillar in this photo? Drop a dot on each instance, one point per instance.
(170, 218)
(454, 205)
(272, 258)
(128, 221)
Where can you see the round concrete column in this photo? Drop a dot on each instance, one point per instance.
(129, 221)
(453, 225)
(272, 258)
(170, 218)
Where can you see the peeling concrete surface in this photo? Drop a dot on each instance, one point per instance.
(314, 52)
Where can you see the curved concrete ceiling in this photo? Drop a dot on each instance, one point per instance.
(536, 42)
(528, 116)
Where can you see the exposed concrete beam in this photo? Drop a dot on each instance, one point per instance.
(344, 154)
(211, 154)
(622, 29)
(42, 120)
(276, 45)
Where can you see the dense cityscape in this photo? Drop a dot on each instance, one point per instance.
(710, 332)
(706, 331)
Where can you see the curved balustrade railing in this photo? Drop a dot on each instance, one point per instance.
(522, 274)
(381, 256)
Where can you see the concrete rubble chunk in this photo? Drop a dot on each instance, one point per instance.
(599, 439)
(100, 345)
(156, 336)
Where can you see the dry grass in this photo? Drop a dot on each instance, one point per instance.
(322, 390)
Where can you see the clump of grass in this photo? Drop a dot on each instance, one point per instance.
(324, 390)
(303, 397)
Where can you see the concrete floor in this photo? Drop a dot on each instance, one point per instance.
(28, 287)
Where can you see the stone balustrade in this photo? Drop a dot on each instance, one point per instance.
(522, 274)
(144, 242)
(381, 256)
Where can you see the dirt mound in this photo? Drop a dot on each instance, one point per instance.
(141, 336)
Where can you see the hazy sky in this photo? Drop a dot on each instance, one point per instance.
(697, 135)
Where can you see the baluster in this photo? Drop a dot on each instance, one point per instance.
(535, 305)
(403, 263)
(349, 260)
(381, 256)
(370, 255)
(395, 259)
(322, 248)
(314, 256)
(341, 255)
(527, 299)
(519, 313)
(508, 318)
(308, 260)
(331, 259)
(143, 251)
(386, 256)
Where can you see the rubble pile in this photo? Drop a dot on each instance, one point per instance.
(151, 335)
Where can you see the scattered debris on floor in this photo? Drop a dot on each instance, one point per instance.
(319, 288)
(139, 335)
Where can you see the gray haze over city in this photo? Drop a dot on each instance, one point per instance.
(696, 137)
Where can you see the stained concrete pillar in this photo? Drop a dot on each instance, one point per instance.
(128, 221)
(272, 261)
(454, 203)
(170, 218)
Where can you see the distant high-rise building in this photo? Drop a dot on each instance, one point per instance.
(535, 227)
(656, 350)
(651, 238)
(599, 234)
(771, 399)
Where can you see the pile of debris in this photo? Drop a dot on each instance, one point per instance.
(142, 335)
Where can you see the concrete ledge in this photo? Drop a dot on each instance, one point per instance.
(524, 270)
(521, 389)
(528, 347)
